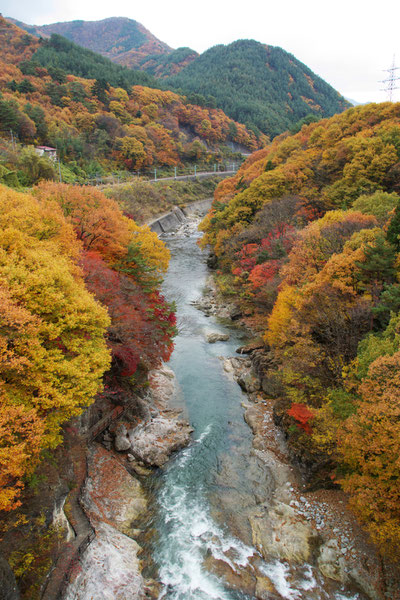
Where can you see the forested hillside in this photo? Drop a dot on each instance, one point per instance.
(165, 65)
(122, 40)
(306, 237)
(262, 86)
(57, 94)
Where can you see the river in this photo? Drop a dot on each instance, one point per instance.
(202, 548)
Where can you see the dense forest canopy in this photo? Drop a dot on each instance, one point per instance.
(264, 87)
(80, 308)
(58, 52)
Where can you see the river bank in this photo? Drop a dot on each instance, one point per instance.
(297, 523)
(114, 499)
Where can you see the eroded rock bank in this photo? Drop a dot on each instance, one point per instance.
(295, 524)
(114, 499)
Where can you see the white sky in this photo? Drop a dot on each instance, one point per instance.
(348, 43)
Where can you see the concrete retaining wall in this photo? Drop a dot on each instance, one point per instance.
(177, 216)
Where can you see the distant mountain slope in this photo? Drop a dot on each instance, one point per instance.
(100, 116)
(165, 65)
(262, 86)
(122, 40)
(58, 52)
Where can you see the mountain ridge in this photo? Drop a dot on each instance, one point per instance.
(262, 86)
(122, 40)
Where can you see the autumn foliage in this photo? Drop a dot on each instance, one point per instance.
(307, 239)
(78, 295)
(97, 127)
(302, 415)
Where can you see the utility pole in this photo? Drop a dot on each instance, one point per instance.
(59, 170)
(391, 80)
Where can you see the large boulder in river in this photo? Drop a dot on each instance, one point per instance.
(216, 336)
(154, 442)
(111, 494)
(280, 533)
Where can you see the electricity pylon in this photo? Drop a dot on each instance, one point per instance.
(391, 80)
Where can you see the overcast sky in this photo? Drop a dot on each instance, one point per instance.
(348, 43)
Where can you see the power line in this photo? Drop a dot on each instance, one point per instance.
(391, 80)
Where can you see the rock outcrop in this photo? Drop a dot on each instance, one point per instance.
(153, 442)
(8, 586)
(112, 499)
(109, 569)
(280, 533)
(111, 495)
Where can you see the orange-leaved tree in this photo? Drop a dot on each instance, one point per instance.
(369, 446)
(52, 348)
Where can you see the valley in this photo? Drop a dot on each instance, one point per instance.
(199, 323)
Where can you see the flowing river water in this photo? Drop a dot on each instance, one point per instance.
(202, 546)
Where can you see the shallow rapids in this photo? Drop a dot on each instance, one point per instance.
(202, 546)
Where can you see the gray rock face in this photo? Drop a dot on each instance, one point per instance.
(330, 562)
(249, 382)
(8, 586)
(111, 494)
(122, 443)
(154, 442)
(121, 440)
(280, 533)
(110, 569)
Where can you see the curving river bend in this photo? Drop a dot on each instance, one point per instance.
(202, 548)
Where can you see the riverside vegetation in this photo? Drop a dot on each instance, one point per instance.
(82, 315)
(306, 240)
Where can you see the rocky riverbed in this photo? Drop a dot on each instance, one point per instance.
(114, 500)
(292, 539)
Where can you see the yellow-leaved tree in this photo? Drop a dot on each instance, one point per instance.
(52, 348)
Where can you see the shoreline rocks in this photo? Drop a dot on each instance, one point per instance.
(296, 525)
(109, 569)
(114, 499)
(154, 442)
(210, 303)
(279, 532)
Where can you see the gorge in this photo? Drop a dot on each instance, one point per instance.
(230, 517)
